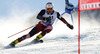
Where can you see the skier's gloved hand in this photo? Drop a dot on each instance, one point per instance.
(70, 26)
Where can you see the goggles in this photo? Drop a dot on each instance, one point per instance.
(49, 9)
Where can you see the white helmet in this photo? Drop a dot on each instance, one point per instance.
(49, 5)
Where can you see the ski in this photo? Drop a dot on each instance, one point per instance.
(33, 42)
(37, 41)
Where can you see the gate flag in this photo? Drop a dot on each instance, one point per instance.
(89, 5)
(83, 6)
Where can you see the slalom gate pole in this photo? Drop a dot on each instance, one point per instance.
(20, 31)
(79, 27)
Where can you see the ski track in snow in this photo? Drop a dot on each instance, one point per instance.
(61, 40)
(90, 41)
(58, 46)
(89, 44)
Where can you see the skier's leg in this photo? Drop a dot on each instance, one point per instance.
(19, 40)
(46, 30)
(67, 1)
(34, 31)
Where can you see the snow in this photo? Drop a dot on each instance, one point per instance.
(60, 40)
(90, 41)
(53, 46)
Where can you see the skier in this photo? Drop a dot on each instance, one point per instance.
(47, 17)
(69, 7)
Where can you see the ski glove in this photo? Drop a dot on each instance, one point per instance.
(70, 26)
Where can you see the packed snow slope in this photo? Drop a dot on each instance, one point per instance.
(90, 32)
(61, 40)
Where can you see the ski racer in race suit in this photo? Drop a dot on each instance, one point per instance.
(69, 7)
(47, 17)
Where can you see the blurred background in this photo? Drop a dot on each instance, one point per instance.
(17, 15)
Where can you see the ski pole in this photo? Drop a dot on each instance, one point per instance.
(20, 31)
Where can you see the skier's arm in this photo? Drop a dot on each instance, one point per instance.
(64, 21)
(40, 15)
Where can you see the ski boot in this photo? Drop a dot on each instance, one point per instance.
(37, 39)
(12, 44)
